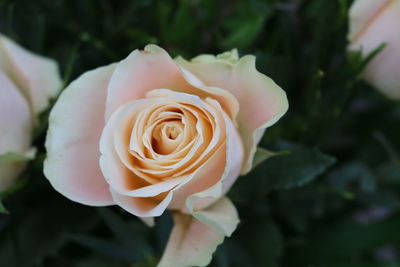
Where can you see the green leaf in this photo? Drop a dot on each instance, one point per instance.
(263, 154)
(16, 157)
(14, 188)
(299, 167)
(296, 166)
(245, 33)
(2, 208)
(353, 174)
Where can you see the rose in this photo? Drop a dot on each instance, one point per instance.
(151, 133)
(373, 23)
(27, 82)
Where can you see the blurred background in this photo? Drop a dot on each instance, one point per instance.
(330, 199)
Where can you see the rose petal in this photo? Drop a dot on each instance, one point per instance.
(75, 126)
(142, 206)
(115, 157)
(153, 68)
(37, 77)
(114, 145)
(15, 133)
(141, 72)
(221, 216)
(261, 101)
(362, 13)
(192, 242)
(383, 71)
(215, 177)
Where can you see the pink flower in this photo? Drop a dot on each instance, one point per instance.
(27, 82)
(151, 133)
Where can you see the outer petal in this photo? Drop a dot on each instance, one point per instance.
(15, 133)
(75, 126)
(383, 71)
(153, 68)
(261, 101)
(37, 77)
(141, 206)
(192, 242)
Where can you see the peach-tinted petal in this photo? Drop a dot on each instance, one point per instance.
(205, 177)
(192, 242)
(226, 99)
(75, 126)
(261, 101)
(37, 77)
(233, 160)
(153, 68)
(383, 71)
(142, 206)
(215, 177)
(15, 129)
(221, 216)
(113, 160)
(141, 72)
(115, 157)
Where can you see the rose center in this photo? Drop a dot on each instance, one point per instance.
(166, 136)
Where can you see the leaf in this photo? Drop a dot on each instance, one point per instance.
(3, 209)
(17, 157)
(263, 154)
(299, 167)
(245, 33)
(351, 174)
(296, 166)
(14, 188)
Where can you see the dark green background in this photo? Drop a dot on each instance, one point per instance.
(331, 201)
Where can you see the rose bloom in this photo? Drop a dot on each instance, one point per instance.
(151, 133)
(373, 23)
(27, 82)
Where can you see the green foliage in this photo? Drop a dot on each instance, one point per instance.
(295, 166)
(329, 195)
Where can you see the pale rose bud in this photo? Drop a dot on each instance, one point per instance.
(373, 23)
(150, 134)
(27, 82)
